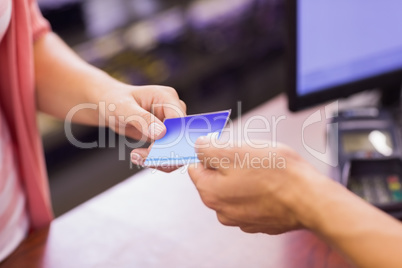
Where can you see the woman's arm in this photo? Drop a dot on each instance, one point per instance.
(245, 192)
(63, 81)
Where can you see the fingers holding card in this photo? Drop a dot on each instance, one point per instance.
(176, 148)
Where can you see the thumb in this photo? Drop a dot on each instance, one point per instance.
(148, 124)
(210, 153)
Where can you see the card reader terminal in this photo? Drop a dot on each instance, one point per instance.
(369, 156)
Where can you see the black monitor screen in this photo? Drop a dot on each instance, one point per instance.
(341, 43)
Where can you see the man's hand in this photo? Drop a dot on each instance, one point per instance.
(259, 196)
(259, 190)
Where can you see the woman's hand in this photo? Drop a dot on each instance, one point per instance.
(259, 190)
(138, 112)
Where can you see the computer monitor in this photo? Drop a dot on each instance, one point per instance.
(337, 48)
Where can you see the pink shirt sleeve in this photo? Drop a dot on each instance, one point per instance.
(39, 24)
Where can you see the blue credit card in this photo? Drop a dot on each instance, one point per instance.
(176, 148)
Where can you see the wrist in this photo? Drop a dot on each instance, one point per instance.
(98, 85)
(92, 102)
(311, 197)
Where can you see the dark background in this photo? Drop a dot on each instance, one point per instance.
(214, 53)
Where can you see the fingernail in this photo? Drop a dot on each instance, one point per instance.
(213, 135)
(136, 158)
(155, 130)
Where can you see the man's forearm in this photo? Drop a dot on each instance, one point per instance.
(366, 235)
(63, 80)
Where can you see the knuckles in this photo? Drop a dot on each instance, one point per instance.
(171, 91)
(248, 229)
(225, 221)
(184, 105)
(209, 200)
(167, 90)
